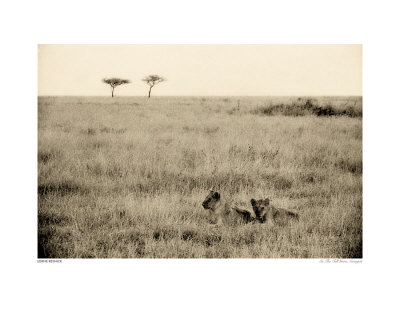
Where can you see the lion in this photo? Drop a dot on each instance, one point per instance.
(225, 212)
(267, 213)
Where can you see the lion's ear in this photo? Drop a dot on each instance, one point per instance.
(253, 202)
(217, 195)
(267, 201)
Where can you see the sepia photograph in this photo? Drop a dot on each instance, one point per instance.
(200, 151)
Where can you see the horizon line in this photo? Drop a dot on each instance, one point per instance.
(161, 96)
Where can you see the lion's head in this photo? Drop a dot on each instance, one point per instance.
(259, 206)
(211, 200)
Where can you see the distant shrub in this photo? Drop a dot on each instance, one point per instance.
(303, 107)
(352, 112)
(264, 110)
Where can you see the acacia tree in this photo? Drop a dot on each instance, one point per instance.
(115, 82)
(152, 80)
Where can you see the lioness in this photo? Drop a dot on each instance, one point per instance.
(266, 213)
(225, 212)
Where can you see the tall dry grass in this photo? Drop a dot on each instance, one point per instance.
(125, 177)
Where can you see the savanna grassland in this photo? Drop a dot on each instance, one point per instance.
(125, 177)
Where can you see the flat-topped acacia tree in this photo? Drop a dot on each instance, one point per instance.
(115, 82)
(152, 80)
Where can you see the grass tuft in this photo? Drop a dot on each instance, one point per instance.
(62, 188)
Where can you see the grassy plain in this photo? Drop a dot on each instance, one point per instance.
(125, 177)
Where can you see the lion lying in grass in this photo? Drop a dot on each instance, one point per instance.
(267, 213)
(226, 212)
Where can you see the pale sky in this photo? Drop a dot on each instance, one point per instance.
(202, 70)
